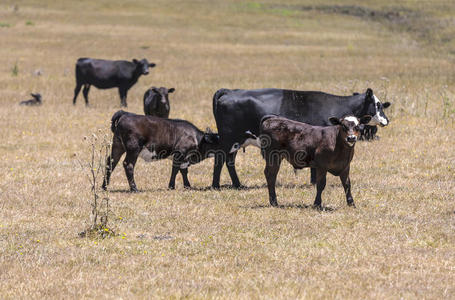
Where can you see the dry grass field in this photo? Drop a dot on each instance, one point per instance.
(398, 243)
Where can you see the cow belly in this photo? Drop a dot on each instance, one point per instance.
(148, 155)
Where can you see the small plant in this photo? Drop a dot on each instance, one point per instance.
(15, 69)
(29, 23)
(447, 105)
(6, 25)
(95, 170)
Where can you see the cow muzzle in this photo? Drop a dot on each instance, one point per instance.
(351, 139)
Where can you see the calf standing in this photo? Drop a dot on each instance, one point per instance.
(33, 102)
(327, 149)
(154, 138)
(156, 102)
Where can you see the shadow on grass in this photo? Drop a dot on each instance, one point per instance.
(297, 206)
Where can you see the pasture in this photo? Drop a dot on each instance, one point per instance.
(398, 243)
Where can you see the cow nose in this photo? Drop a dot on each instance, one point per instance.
(351, 138)
(146, 72)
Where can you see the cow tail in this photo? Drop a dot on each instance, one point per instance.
(115, 119)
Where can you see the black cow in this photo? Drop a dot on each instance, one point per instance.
(237, 111)
(153, 138)
(156, 102)
(36, 101)
(327, 149)
(106, 74)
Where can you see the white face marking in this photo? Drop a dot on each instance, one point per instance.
(377, 119)
(248, 142)
(235, 148)
(148, 156)
(352, 119)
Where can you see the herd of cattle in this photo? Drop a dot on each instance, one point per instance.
(308, 129)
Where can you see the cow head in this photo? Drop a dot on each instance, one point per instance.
(143, 65)
(208, 144)
(350, 127)
(163, 94)
(37, 97)
(375, 108)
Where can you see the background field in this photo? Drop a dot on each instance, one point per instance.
(398, 243)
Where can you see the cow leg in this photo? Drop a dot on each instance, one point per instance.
(313, 176)
(175, 170)
(128, 164)
(346, 182)
(112, 160)
(186, 182)
(230, 163)
(76, 92)
(271, 171)
(85, 92)
(321, 181)
(217, 167)
(123, 92)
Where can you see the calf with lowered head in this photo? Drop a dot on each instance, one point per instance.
(156, 102)
(327, 149)
(153, 138)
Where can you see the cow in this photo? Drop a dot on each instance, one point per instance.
(153, 138)
(106, 74)
(327, 149)
(237, 111)
(156, 102)
(36, 101)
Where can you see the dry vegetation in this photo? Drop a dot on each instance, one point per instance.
(398, 243)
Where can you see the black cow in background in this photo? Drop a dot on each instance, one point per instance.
(106, 74)
(156, 102)
(36, 101)
(237, 111)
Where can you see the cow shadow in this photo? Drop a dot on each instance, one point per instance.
(292, 206)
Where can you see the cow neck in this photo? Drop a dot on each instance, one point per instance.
(358, 106)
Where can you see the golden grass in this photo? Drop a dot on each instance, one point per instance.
(398, 243)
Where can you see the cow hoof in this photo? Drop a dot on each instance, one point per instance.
(134, 190)
(187, 187)
(351, 204)
(274, 203)
(171, 187)
(216, 187)
(239, 187)
(318, 207)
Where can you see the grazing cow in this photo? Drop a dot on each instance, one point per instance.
(153, 138)
(37, 100)
(237, 111)
(156, 102)
(106, 74)
(327, 149)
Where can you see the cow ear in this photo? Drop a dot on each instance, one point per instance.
(334, 121)
(33, 95)
(171, 90)
(135, 61)
(208, 130)
(355, 94)
(386, 104)
(151, 65)
(365, 119)
(369, 93)
(155, 90)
